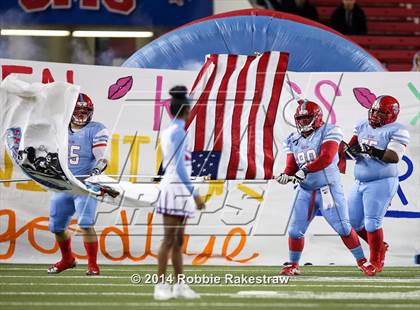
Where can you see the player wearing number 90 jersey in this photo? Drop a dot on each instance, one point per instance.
(312, 160)
(377, 145)
(307, 149)
(87, 142)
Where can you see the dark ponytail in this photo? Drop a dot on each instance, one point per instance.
(179, 100)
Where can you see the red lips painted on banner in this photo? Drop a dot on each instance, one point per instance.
(120, 88)
(364, 96)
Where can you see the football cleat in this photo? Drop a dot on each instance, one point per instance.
(379, 263)
(385, 249)
(163, 291)
(93, 271)
(61, 266)
(367, 268)
(182, 290)
(291, 270)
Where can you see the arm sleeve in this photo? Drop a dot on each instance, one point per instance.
(353, 141)
(399, 141)
(291, 165)
(401, 136)
(335, 134)
(178, 140)
(286, 147)
(356, 128)
(100, 142)
(325, 158)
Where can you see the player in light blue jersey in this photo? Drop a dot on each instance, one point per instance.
(86, 146)
(312, 159)
(377, 146)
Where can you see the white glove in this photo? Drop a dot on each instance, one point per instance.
(300, 175)
(283, 178)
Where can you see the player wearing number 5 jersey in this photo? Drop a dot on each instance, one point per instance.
(86, 146)
(377, 146)
(312, 161)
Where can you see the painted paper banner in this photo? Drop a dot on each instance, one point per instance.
(245, 223)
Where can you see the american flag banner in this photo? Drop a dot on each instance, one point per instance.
(235, 103)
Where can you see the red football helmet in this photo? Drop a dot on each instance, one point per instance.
(383, 111)
(83, 111)
(308, 116)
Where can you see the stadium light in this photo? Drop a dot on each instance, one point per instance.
(112, 34)
(35, 32)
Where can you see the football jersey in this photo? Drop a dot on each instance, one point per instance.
(81, 143)
(305, 150)
(370, 169)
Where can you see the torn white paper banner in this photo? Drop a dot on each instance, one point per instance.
(134, 195)
(130, 194)
(35, 133)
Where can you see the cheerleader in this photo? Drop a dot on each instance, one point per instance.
(177, 200)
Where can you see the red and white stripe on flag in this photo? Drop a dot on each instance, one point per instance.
(235, 101)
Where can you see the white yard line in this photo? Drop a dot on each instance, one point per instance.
(354, 285)
(298, 295)
(94, 294)
(142, 305)
(365, 285)
(354, 279)
(216, 270)
(169, 304)
(294, 279)
(64, 284)
(63, 276)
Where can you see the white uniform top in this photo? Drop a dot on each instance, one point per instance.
(176, 196)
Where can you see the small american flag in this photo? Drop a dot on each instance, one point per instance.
(235, 103)
(205, 163)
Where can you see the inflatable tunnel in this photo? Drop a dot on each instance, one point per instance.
(313, 47)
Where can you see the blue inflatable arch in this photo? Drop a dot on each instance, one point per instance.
(313, 47)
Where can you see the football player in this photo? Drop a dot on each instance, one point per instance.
(312, 158)
(86, 146)
(378, 144)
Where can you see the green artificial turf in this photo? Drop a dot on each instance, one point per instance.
(332, 287)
